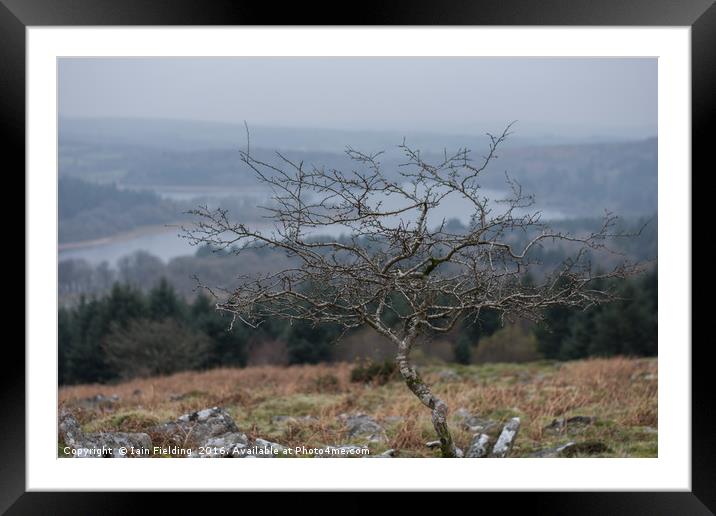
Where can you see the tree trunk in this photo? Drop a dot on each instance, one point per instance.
(438, 407)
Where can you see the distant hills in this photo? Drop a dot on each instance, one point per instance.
(191, 135)
(580, 179)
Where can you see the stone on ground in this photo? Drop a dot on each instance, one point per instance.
(507, 438)
(474, 423)
(478, 446)
(101, 444)
(363, 426)
(198, 427)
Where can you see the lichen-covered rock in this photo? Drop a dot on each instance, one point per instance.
(231, 445)
(69, 429)
(267, 449)
(478, 446)
(363, 426)
(198, 427)
(561, 425)
(121, 444)
(557, 451)
(235, 445)
(586, 448)
(101, 444)
(507, 438)
(229, 440)
(572, 449)
(473, 423)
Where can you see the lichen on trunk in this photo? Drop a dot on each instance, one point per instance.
(437, 406)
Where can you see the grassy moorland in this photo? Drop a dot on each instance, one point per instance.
(620, 393)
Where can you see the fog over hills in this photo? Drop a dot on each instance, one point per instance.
(187, 135)
(201, 159)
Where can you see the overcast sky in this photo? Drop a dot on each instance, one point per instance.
(591, 96)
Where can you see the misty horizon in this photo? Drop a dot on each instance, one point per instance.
(549, 97)
(146, 139)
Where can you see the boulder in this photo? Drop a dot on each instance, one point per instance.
(571, 449)
(215, 431)
(69, 429)
(231, 445)
(101, 444)
(473, 423)
(507, 438)
(557, 451)
(478, 447)
(198, 427)
(133, 444)
(267, 449)
(561, 424)
(363, 426)
(586, 448)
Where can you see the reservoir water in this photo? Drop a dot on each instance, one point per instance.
(165, 242)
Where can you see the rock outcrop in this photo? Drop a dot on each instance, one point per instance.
(196, 428)
(562, 424)
(572, 449)
(474, 423)
(101, 444)
(507, 438)
(478, 447)
(363, 426)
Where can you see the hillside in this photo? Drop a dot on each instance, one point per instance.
(579, 179)
(609, 406)
(88, 211)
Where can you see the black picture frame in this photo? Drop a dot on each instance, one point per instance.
(17, 15)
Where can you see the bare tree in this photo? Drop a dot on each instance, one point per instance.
(395, 262)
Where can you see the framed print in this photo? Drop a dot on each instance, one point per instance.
(424, 233)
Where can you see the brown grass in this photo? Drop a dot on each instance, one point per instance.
(620, 392)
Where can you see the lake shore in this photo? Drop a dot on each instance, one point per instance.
(155, 229)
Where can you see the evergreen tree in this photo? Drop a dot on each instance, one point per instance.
(628, 326)
(85, 359)
(308, 344)
(228, 345)
(123, 304)
(471, 332)
(64, 342)
(164, 303)
(553, 330)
